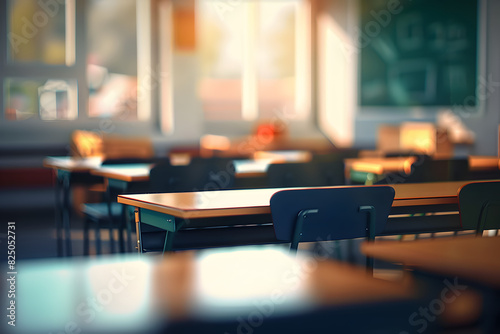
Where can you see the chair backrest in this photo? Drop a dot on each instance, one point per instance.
(198, 175)
(479, 204)
(308, 174)
(128, 161)
(331, 213)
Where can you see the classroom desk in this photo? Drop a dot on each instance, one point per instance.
(483, 163)
(370, 168)
(129, 173)
(127, 294)
(126, 172)
(120, 179)
(469, 257)
(68, 170)
(469, 263)
(379, 166)
(176, 212)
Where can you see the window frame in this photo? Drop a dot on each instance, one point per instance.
(304, 124)
(35, 131)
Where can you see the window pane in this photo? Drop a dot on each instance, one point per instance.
(36, 31)
(50, 99)
(112, 58)
(276, 57)
(220, 27)
(248, 58)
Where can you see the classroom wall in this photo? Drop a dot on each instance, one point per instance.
(343, 121)
(364, 124)
(486, 126)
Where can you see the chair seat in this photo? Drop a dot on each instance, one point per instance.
(100, 210)
(97, 214)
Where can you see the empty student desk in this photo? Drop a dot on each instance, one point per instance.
(68, 170)
(468, 257)
(248, 212)
(405, 169)
(369, 170)
(119, 179)
(120, 176)
(467, 263)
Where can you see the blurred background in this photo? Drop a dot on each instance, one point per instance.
(191, 74)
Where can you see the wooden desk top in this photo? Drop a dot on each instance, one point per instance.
(72, 164)
(483, 163)
(126, 172)
(283, 156)
(256, 201)
(380, 165)
(127, 294)
(468, 257)
(140, 172)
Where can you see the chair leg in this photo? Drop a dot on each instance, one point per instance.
(98, 240)
(111, 239)
(86, 241)
(121, 230)
(121, 241)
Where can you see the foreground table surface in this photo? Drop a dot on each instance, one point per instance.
(131, 294)
(468, 257)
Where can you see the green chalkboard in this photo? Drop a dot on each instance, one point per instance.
(418, 52)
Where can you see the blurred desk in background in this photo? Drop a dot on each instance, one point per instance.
(69, 171)
(369, 170)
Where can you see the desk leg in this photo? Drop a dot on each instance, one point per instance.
(169, 238)
(126, 209)
(66, 212)
(138, 229)
(125, 228)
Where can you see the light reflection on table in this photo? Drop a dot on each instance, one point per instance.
(128, 294)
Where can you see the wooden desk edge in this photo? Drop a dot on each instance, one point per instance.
(121, 177)
(195, 213)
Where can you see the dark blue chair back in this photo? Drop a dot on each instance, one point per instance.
(198, 175)
(332, 213)
(479, 204)
(307, 174)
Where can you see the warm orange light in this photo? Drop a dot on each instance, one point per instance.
(419, 137)
(213, 142)
(86, 144)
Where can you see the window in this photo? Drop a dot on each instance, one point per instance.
(253, 58)
(40, 36)
(112, 58)
(74, 60)
(234, 61)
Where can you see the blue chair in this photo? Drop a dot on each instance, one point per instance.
(109, 214)
(309, 215)
(306, 174)
(199, 175)
(479, 205)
